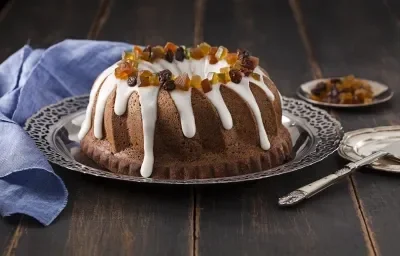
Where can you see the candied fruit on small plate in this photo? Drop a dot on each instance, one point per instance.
(344, 92)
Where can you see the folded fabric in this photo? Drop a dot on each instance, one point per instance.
(29, 80)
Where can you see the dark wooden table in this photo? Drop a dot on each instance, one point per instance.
(296, 40)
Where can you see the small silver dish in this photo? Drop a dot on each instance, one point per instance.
(361, 143)
(382, 93)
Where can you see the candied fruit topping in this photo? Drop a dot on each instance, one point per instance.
(169, 56)
(206, 86)
(231, 58)
(180, 54)
(123, 70)
(145, 56)
(132, 81)
(157, 53)
(224, 70)
(195, 82)
(169, 85)
(128, 56)
(346, 90)
(170, 46)
(196, 53)
(144, 76)
(221, 53)
(213, 50)
(205, 48)
(182, 82)
(213, 59)
(214, 78)
(236, 75)
(137, 51)
(255, 61)
(224, 77)
(148, 49)
(255, 76)
(154, 80)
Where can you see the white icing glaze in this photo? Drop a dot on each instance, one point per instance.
(122, 96)
(105, 91)
(183, 102)
(216, 99)
(243, 89)
(106, 83)
(148, 100)
(262, 85)
(87, 123)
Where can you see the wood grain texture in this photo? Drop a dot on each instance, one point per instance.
(106, 217)
(245, 217)
(44, 22)
(150, 22)
(365, 43)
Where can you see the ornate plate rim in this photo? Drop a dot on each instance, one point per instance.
(320, 151)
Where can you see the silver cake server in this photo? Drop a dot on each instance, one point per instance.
(393, 150)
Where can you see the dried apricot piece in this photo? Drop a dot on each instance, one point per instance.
(205, 48)
(213, 59)
(224, 78)
(213, 50)
(170, 46)
(144, 76)
(124, 70)
(195, 82)
(157, 53)
(231, 58)
(196, 53)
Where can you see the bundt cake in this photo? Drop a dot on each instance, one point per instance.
(185, 113)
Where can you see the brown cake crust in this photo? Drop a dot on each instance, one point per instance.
(212, 152)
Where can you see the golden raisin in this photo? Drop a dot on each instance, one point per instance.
(196, 53)
(205, 48)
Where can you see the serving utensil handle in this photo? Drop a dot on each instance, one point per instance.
(317, 186)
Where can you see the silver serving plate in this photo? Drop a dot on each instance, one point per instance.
(361, 143)
(381, 92)
(315, 135)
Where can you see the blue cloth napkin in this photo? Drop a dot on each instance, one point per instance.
(29, 80)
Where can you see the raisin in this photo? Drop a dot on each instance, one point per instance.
(148, 49)
(236, 76)
(164, 75)
(319, 88)
(169, 56)
(132, 81)
(180, 54)
(169, 85)
(243, 53)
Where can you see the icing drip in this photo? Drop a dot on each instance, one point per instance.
(87, 123)
(262, 85)
(183, 102)
(184, 67)
(243, 90)
(148, 100)
(105, 91)
(216, 99)
(122, 96)
(148, 97)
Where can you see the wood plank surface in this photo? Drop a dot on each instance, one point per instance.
(245, 217)
(104, 217)
(150, 22)
(45, 22)
(41, 23)
(362, 38)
